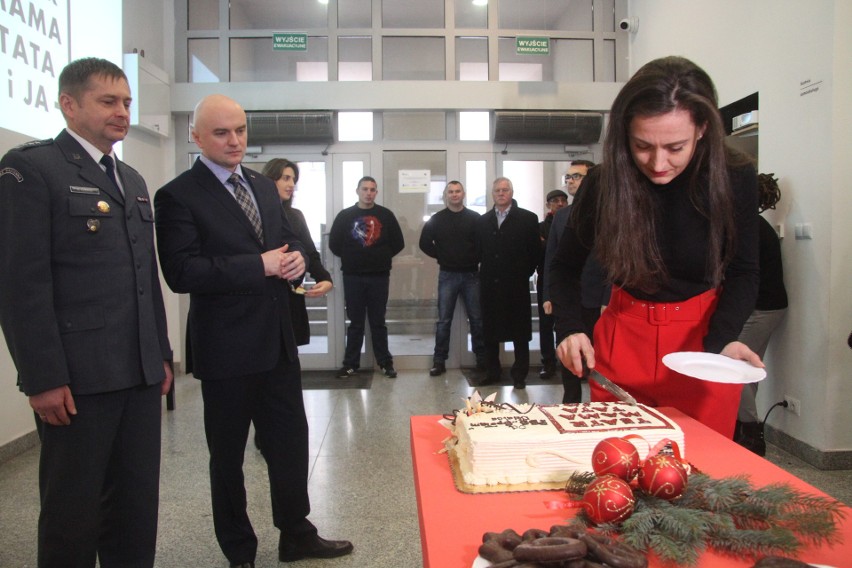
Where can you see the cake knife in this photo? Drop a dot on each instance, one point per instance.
(612, 388)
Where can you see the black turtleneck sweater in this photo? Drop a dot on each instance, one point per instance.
(682, 234)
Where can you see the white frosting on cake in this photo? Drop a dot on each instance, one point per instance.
(534, 443)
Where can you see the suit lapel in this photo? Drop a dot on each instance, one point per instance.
(89, 169)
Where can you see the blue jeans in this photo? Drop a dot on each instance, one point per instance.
(366, 296)
(451, 285)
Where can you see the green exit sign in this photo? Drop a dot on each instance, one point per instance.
(289, 41)
(532, 45)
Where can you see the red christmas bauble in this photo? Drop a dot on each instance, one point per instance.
(616, 456)
(608, 499)
(663, 477)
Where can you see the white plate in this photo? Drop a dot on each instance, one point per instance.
(713, 367)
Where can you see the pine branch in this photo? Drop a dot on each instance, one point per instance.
(578, 482)
(733, 517)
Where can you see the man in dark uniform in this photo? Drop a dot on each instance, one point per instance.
(223, 238)
(511, 248)
(83, 316)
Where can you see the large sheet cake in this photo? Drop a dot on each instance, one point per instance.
(518, 444)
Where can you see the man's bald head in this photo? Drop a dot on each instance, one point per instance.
(219, 130)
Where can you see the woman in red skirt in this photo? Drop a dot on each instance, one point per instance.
(671, 214)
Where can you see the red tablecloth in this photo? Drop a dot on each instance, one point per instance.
(452, 523)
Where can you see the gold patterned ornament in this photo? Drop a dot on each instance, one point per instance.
(608, 499)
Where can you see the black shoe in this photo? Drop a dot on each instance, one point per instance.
(547, 372)
(242, 565)
(389, 371)
(488, 379)
(520, 385)
(750, 436)
(346, 372)
(437, 369)
(312, 546)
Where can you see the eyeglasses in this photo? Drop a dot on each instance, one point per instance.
(575, 177)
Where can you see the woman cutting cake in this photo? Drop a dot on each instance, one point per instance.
(671, 214)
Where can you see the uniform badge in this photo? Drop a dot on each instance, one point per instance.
(12, 172)
(141, 199)
(103, 206)
(92, 225)
(85, 190)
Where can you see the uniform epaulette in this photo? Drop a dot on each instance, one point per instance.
(34, 144)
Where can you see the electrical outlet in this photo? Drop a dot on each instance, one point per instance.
(793, 405)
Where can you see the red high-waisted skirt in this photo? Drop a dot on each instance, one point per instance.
(631, 338)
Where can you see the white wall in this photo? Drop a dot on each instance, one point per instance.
(773, 47)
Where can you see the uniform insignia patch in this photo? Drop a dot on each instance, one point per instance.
(12, 172)
(85, 190)
(141, 199)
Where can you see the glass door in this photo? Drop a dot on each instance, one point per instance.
(412, 187)
(347, 169)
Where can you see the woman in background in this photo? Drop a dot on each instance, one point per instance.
(671, 214)
(768, 312)
(285, 174)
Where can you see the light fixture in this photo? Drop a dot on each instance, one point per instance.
(480, 2)
(323, 1)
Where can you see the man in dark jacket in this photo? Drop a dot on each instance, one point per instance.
(511, 249)
(449, 236)
(366, 237)
(556, 200)
(223, 239)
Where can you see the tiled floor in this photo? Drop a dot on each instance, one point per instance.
(361, 479)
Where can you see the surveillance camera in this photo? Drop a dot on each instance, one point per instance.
(629, 24)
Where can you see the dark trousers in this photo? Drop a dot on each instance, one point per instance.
(546, 344)
(572, 388)
(366, 297)
(99, 480)
(273, 401)
(520, 367)
(451, 285)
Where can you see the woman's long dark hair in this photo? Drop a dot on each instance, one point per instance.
(627, 222)
(274, 169)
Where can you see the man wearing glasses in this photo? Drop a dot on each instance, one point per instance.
(594, 291)
(576, 172)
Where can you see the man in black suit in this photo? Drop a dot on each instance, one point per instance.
(83, 316)
(223, 238)
(594, 288)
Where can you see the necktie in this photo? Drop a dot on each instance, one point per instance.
(106, 161)
(247, 205)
